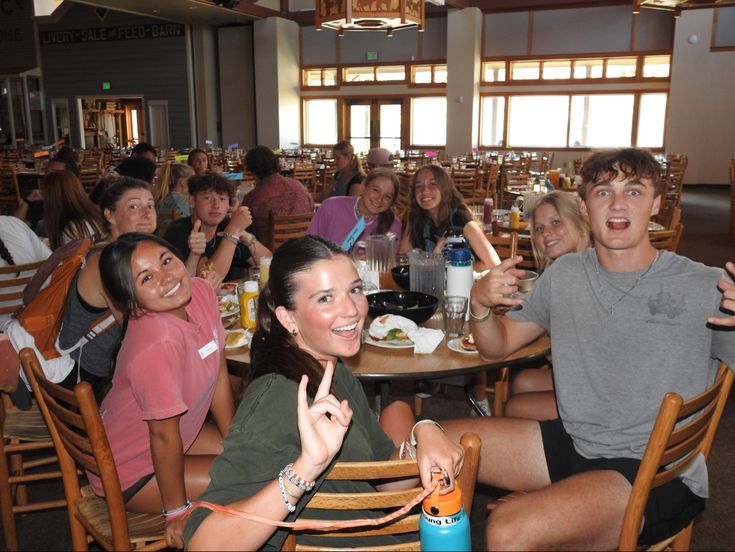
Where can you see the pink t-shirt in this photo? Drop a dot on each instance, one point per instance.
(166, 367)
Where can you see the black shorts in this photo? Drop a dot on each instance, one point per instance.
(131, 491)
(670, 507)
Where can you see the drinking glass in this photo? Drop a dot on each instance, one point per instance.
(427, 272)
(455, 310)
(380, 253)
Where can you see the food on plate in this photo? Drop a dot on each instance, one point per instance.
(390, 327)
(229, 288)
(206, 269)
(236, 338)
(468, 343)
(228, 305)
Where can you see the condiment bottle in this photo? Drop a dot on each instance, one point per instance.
(443, 524)
(487, 214)
(249, 305)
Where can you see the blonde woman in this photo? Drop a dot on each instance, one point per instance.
(172, 190)
(349, 175)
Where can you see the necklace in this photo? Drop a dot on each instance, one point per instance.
(368, 218)
(603, 296)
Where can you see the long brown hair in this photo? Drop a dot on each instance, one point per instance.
(385, 219)
(68, 211)
(451, 201)
(345, 149)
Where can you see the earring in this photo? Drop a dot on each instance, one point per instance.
(294, 332)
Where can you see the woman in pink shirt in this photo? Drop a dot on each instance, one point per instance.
(170, 372)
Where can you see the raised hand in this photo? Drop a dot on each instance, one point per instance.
(240, 220)
(197, 240)
(728, 300)
(498, 285)
(437, 452)
(322, 426)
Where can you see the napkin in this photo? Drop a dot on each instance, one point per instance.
(425, 340)
(383, 324)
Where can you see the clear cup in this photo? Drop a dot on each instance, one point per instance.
(254, 274)
(265, 270)
(455, 310)
(380, 252)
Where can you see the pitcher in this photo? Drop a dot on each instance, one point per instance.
(427, 272)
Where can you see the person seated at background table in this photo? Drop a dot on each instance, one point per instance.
(69, 214)
(18, 245)
(198, 160)
(557, 227)
(144, 149)
(310, 314)
(349, 174)
(628, 323)
(170, 372)
(64, 160)
(273, 192)
(139, 167)
(209, 238)
(338, 216)
(171, 192)
(379, 157)
(437, 209)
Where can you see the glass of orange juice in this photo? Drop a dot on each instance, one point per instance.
(265, 269)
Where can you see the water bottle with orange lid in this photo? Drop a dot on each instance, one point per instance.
(443, 524)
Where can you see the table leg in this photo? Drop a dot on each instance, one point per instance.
(382, 395)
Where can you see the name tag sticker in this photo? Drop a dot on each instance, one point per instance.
(208, 349)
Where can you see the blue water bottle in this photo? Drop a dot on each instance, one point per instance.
(444, 524)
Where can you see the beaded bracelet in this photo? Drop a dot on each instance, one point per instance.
(412, 438)
(282, 488)
(297, 480)
(406, 450)
(177, 512)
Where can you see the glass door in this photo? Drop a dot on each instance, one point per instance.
(375, 123)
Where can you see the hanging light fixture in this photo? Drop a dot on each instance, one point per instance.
(369, 15)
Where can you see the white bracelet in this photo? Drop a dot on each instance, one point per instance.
(282, 488)
(412, 438)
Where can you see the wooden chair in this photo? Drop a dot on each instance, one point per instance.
(674, 443)
(667, 239)
(669, 216)
(306, 174)
(508, 179)
(9, 190)
(390, 469)
(282, 228)
(465, 181)
(11, 289)
(509, 245)
(674, 178)
(78, 434)
(488, 185)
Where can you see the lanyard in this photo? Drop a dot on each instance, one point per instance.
(355, 233)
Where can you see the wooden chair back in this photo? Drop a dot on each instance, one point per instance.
(386, 470)
(488, 186)
(79, 437)
(465, 180)
(674, 177)
(683, 430)
(509, 245)
(508, 180)
(11, 289)
(305, 172)
(9, 190)
(282, 228)
(667, 239)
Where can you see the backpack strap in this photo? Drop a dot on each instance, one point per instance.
(98, 327)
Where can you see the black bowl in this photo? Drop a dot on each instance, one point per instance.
(413, 305)
(401, 276)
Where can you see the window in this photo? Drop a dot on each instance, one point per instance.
(656, 66)
(651, 120)
(601, 120)
(492, 121)
(359, 74)
(320, 121)
(429, 74)
(538, 121)
(493, 71)
(557, 69)
(429, 121)
(319, 77)
(588, 68)
(391, 73)
(524, 70)
(620, 68)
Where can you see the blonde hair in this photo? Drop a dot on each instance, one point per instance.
(168, 176)
(567, 205)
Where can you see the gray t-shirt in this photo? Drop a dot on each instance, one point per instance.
(611, 371)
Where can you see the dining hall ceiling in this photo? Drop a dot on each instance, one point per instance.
(245, 11)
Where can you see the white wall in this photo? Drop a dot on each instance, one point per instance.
(701, 111)
(204, 54)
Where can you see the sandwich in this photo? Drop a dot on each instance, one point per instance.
(390, 327)
(236, 338)
(467, 343)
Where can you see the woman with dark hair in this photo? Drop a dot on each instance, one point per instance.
(198, 160)
(338, 216)
(349, 174)
(273, 193)
(438, 209)
(310, 314)
(69, 214)
(170, 372)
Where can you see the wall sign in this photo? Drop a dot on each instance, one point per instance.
(104, 34)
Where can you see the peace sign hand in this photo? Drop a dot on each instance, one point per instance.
(322, 426)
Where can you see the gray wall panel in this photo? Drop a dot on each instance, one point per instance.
(654, 30)
(435, 38)
(400, 47)
(153, 68)
(577, 31)
(725, 27)
(505, 34)
(318, 47)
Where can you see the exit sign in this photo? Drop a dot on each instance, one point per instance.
(106, 85)
(372, 56)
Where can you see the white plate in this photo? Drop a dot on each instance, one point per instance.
(244, 340)
(655, 227)
(223, 300)
(454, 346)
(395, 344)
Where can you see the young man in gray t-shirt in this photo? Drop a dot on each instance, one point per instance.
(628, 323)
